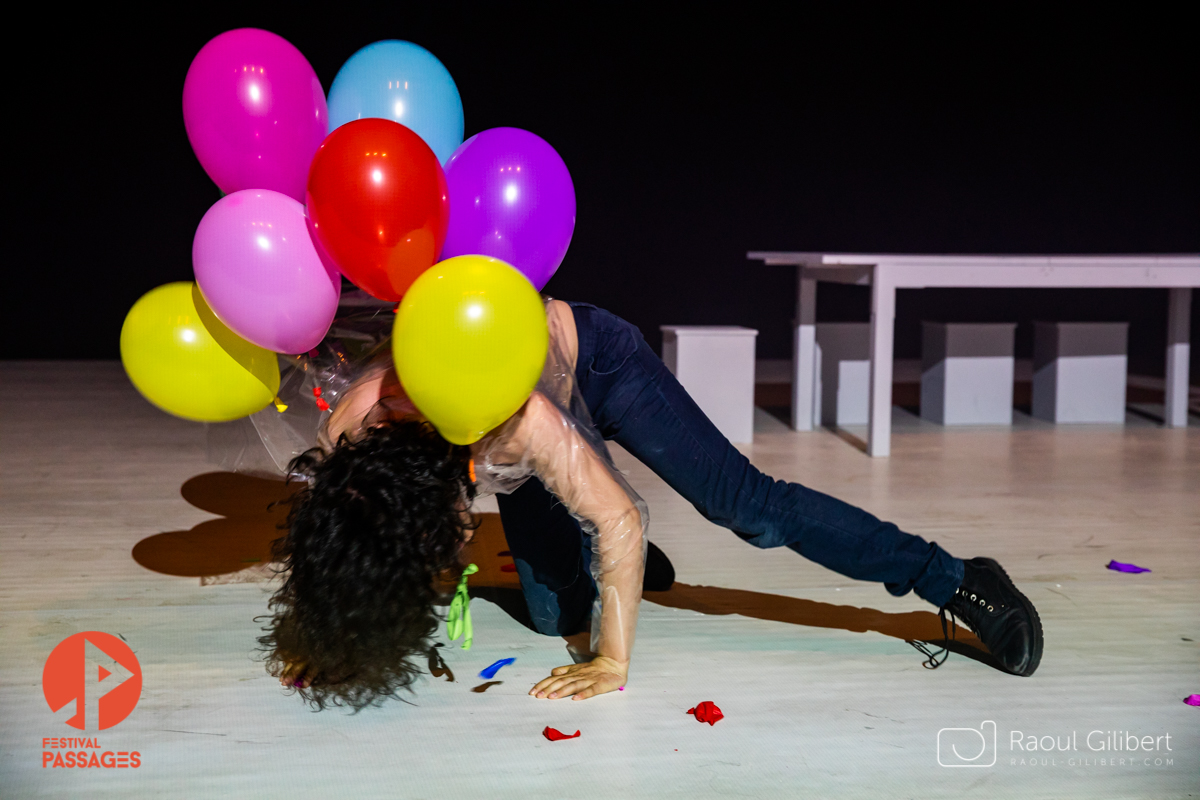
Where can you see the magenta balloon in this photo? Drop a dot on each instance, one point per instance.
(511, 198)
(261, 274)
(254, 112)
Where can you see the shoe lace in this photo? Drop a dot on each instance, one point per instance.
(935, 658)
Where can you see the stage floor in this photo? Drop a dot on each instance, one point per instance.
(107, 527)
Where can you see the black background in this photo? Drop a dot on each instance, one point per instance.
(692, 137)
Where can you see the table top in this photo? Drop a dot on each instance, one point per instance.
(916, 270)
(708, 330)
(810, 259)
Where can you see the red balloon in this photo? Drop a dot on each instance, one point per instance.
(378, 205)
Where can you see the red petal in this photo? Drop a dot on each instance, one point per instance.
(508, 567)
(707, 712)
(555, 735)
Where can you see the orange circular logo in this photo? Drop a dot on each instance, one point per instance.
(100, 673)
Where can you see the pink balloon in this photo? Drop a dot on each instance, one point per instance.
(254, 112)
(261, 274)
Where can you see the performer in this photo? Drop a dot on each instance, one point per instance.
(385, 514)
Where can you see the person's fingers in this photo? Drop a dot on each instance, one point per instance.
(571, 687)
(556, 674)
(559, 686)
(297, 676)
(553, 687)
(292, 672)
(542, 684)
(579, 680)
(590, 691)
(608, 683)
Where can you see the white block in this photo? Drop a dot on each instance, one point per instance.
(1079, 371)
(715, 364)
(967, 372)
(842, 373)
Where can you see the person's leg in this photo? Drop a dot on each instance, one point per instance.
(552, 555)
(635, 401)
(553, 559)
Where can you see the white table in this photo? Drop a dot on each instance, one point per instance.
(887, 273)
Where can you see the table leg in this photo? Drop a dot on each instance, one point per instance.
(803, 345)
(1179, 312)
(883, 318)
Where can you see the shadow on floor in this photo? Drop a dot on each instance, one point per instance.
(921, 626)
(252, 509)
(252, 512)
(848, 438)
(497, 581)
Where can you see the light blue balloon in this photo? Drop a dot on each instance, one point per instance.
(403, 82)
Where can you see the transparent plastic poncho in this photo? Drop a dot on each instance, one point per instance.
(551, 437)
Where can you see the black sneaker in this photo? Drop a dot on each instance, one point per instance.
(1003, 618)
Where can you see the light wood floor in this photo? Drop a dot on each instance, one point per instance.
(107, 527)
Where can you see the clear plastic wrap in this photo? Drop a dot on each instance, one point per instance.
(552, 437)
(310, 388)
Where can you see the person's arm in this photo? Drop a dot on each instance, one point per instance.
(579, 476)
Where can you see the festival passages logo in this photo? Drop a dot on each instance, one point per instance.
(977, 747)
(104, 679)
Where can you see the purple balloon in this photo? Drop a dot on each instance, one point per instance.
(261, 274)
(254, 112)
(511, 198)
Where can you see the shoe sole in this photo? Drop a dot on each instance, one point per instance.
(1036, 657)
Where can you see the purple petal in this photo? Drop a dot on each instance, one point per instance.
(1117, 566)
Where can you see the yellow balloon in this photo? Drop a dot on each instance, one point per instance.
(185, 361)
(470, 342)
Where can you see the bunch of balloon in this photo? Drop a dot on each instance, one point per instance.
(388, 188)
(255, 115)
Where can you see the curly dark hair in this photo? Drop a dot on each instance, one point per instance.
(379, 522)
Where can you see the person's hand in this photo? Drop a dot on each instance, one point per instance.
(581, 681)
(294, 675)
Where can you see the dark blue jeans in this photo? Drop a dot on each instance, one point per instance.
(635, 401)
